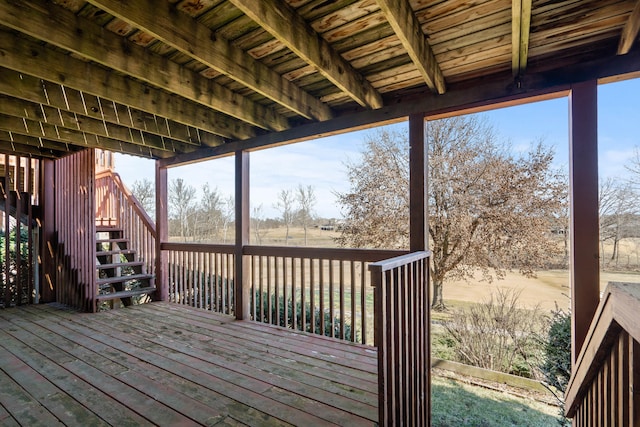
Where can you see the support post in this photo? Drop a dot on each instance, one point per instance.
(47, 292)
(584, 226)
(162, 233)
(417, 185)
(241, 280)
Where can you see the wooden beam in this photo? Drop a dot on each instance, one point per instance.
(72, 106)
(10, 147)
(56, 67)
(403, 20)
(242, 294)
(197, 41)
(520, 29)
(418, 226)
(42, 132)
(60, 27)
(630, 31)
(282, 21)
(53, 117)
(496, 91)
(162, 234)
(584, 225)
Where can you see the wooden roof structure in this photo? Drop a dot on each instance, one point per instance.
(189, 79)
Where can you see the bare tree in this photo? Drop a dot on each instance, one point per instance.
(228, 216)
(144, 192)
(182, 205)
(489, 211)
(211, 206)
(634, 168)
(306, 198)
(256, 220)
(618, 208)
(285, 206)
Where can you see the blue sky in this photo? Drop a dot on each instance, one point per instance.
(321, 162)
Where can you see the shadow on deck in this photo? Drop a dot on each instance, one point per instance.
(165, 364)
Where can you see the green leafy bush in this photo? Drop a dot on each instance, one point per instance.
(279, 319)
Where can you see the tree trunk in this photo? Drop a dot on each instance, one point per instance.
(438, 302)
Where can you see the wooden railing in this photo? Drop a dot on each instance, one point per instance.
(75, 281)
(319, 290)
(117, 207)
(604, 389)
(402, 338)
(201, 275)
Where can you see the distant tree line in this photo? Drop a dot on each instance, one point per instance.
(210, 217)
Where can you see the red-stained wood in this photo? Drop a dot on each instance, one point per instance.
(241, 273)
(162, 234)
(402, 335)
(128, 363)
(583, 174)
(76, 233)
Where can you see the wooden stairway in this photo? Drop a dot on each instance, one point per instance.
(120, 274)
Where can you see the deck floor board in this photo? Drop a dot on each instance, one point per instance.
(166, 364)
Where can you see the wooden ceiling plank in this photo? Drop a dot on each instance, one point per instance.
(34, 141)
(87, 125)
(118, 53)
(630, 31)
(516, 33)
(61, 69)
(49, 133)
(291, 29)
(75, 137)
(194, 39)
(50, 97)
(406, 26)
(9, 147)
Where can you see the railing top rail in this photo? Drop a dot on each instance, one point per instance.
(343, 254)
(197, 247)
(398, 261)
(137, 207)
(617, 310)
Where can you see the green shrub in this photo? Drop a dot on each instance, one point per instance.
(279, 319)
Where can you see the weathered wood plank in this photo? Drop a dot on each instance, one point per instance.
(196, 40)
(200, 365)
(406, 26)
(61, 27)
(292, 30)
(65, 70)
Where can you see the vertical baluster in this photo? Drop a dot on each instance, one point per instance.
(321, 296)
(312, 294)
(331, 301)
(363, 303)
(285, 296)
(352, 271)
(303, 288)
(342, 290)
(294, 323)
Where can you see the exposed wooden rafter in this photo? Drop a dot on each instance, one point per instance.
(630, 31)
(111, 50)
(89, 78)
(194, 39)
(520, 28)
(14, 148)
(36, 129)
(292, 30)
(87, 126)
(53, 102)
(406, 26)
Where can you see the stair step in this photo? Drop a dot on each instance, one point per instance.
(119, 264)
(126, 294)
(107, 229)
(122, 279)
(115, 240)
(121, 251)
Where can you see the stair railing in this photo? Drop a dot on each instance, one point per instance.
(604, 389)
(117, 207)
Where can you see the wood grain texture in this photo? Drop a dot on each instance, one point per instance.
(196, 40)
(126, 367)
(292, 30)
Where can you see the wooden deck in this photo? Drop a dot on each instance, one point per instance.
(165, 364)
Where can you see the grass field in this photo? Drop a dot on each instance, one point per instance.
(459, 404)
